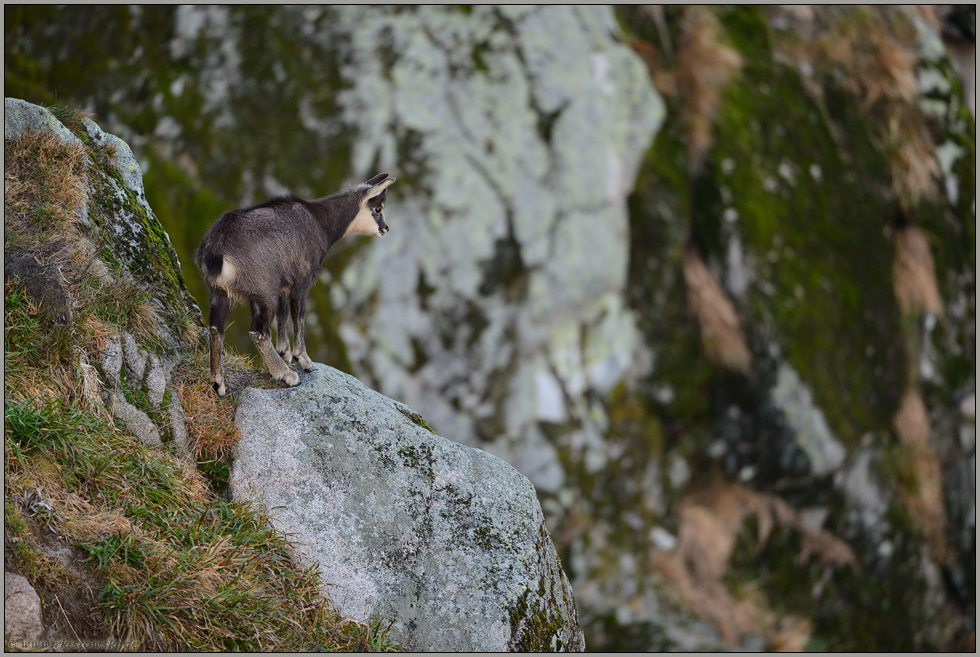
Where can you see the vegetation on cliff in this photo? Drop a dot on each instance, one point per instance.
(122, 540)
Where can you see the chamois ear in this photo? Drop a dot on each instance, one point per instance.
(379, 183)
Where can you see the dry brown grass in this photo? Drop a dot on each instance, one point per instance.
(877, 65)
(872, 54)
(710, 521)
(703, 66)
(721, 332)
(210, 419)
(914, 273)
(42, 172)
(911, 158)
(921, 474)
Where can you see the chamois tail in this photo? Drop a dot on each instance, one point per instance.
(212, 262)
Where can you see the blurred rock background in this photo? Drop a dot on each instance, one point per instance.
(705, 275)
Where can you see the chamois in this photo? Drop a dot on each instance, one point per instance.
(267, 256)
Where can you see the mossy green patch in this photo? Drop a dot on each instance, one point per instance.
(416, 419)
(137, 242)
(814, 217)
(534, 628)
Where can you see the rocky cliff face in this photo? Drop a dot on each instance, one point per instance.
(705, 276)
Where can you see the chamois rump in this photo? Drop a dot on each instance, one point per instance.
(268, 255)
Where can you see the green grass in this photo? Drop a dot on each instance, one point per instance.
(71, 119)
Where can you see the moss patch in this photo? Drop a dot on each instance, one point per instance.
(416, 419)
(533, 629)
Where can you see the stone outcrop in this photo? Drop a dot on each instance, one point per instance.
(445, 541)
(21, 612)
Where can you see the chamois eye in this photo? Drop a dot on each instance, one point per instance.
(378, 210)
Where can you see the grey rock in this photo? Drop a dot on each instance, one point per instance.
(177, 424)
(446, 541)
(810, 429)
(112, 360)
(19, 116)
(156, 381)
(124, 160)
(21, 611)
(136, 421)
(506, 175)
(866, 503)
(135, 360)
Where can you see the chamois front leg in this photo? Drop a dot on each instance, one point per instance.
(262, 337)
(219, 313)
(282, 336)
(298, 307)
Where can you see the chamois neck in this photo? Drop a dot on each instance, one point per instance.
(334, 214)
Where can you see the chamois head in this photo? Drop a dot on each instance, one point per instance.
(370, 218)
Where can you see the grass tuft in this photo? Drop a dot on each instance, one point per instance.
(73, 119)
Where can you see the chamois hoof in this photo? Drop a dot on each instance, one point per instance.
(291, 379)
(286, 356)
(219, 388)
(305, 363)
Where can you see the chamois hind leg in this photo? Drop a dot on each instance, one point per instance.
(262, 314)
(297, 304)
(220, 303)
(282, 336)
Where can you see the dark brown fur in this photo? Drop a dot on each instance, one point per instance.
(268, 255)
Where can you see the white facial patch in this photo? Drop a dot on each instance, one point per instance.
(364, 223)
